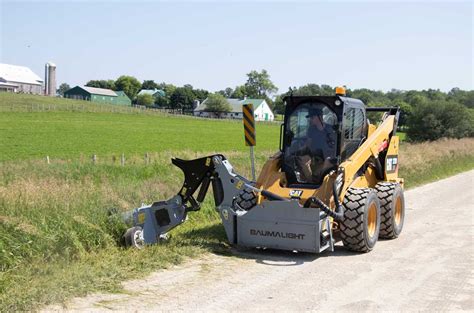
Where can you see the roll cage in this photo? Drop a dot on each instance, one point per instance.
(350, 129)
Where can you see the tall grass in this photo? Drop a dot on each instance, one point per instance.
(429, 161)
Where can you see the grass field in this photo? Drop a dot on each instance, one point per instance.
(70, 134)
(56, 238)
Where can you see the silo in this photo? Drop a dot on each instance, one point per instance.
(50, 79)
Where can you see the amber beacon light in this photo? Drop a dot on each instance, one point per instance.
(341, 91)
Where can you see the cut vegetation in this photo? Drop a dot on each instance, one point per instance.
(56, 237)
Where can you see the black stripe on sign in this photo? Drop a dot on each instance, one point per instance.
(249, 141)
(248, 133)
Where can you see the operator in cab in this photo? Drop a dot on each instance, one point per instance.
(318, 152)
(321, 136)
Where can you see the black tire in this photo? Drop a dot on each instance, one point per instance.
(134, 237)
(246, 199)
(361, 224)
(392, 209)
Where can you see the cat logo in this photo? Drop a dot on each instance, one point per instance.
(295, 193)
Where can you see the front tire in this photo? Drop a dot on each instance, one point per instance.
(246, 200)
(392, 204)
(134, 237)
(361, 224)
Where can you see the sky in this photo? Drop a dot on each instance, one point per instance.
(212, 45)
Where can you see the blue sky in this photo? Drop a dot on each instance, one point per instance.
(212, 45)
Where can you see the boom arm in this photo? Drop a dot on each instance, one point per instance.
(376, 142)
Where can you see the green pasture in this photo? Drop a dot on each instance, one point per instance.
(70, 134)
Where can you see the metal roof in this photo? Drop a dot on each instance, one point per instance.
(236, 104)
(153, 92)
(19, 74)
(99, 91)
(147, 92)
(8, 85)
(121, 93)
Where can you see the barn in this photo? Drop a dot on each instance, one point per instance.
(15, 78)
(98, 95)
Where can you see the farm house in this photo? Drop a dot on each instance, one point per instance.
(14, 78)
(98, 95)
(261, 109)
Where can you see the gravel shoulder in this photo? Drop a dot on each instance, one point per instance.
(430, 267)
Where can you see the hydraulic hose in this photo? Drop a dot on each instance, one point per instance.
(338, 214)
(267, 194)
(378, 168)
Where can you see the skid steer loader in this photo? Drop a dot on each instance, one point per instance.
(335, 176)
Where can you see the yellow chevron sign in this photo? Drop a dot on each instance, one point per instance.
(249, 125)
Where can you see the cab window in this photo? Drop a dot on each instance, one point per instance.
(353, 131)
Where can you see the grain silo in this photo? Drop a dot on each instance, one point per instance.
(50, 79)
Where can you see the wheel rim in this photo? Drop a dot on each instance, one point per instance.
(398, 211)
(372, 219)
(138, 239)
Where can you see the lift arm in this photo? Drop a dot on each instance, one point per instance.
(377, 142)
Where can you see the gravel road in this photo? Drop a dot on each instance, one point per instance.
(428, 268)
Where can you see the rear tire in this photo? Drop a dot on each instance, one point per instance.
(392, 205)
(361, 225)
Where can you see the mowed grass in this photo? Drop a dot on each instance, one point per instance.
(72, 134)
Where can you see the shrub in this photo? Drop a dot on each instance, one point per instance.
(432, 120)
(145, 99)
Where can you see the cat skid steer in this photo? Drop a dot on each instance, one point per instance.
(335, 174)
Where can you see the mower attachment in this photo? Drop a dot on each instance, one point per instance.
(276, 222)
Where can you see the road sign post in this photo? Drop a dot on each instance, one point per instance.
(249, 132)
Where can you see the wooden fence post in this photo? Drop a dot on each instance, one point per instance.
(147, 158)
(47, 159)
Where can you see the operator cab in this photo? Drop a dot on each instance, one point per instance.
(319, 133)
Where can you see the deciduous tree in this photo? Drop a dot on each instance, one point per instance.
(182, 98)
(259, 84)
(129, 84)
(217, 103)
(63, 88)
(149, 84)
(102, 83)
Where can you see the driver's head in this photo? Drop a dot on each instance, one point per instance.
(315, 115)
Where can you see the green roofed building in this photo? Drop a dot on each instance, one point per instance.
(122, 98)
(100, 95)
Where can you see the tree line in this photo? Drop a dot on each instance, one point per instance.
(425, 115)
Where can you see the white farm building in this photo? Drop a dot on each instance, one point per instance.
(262, 111)
(14, 78)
